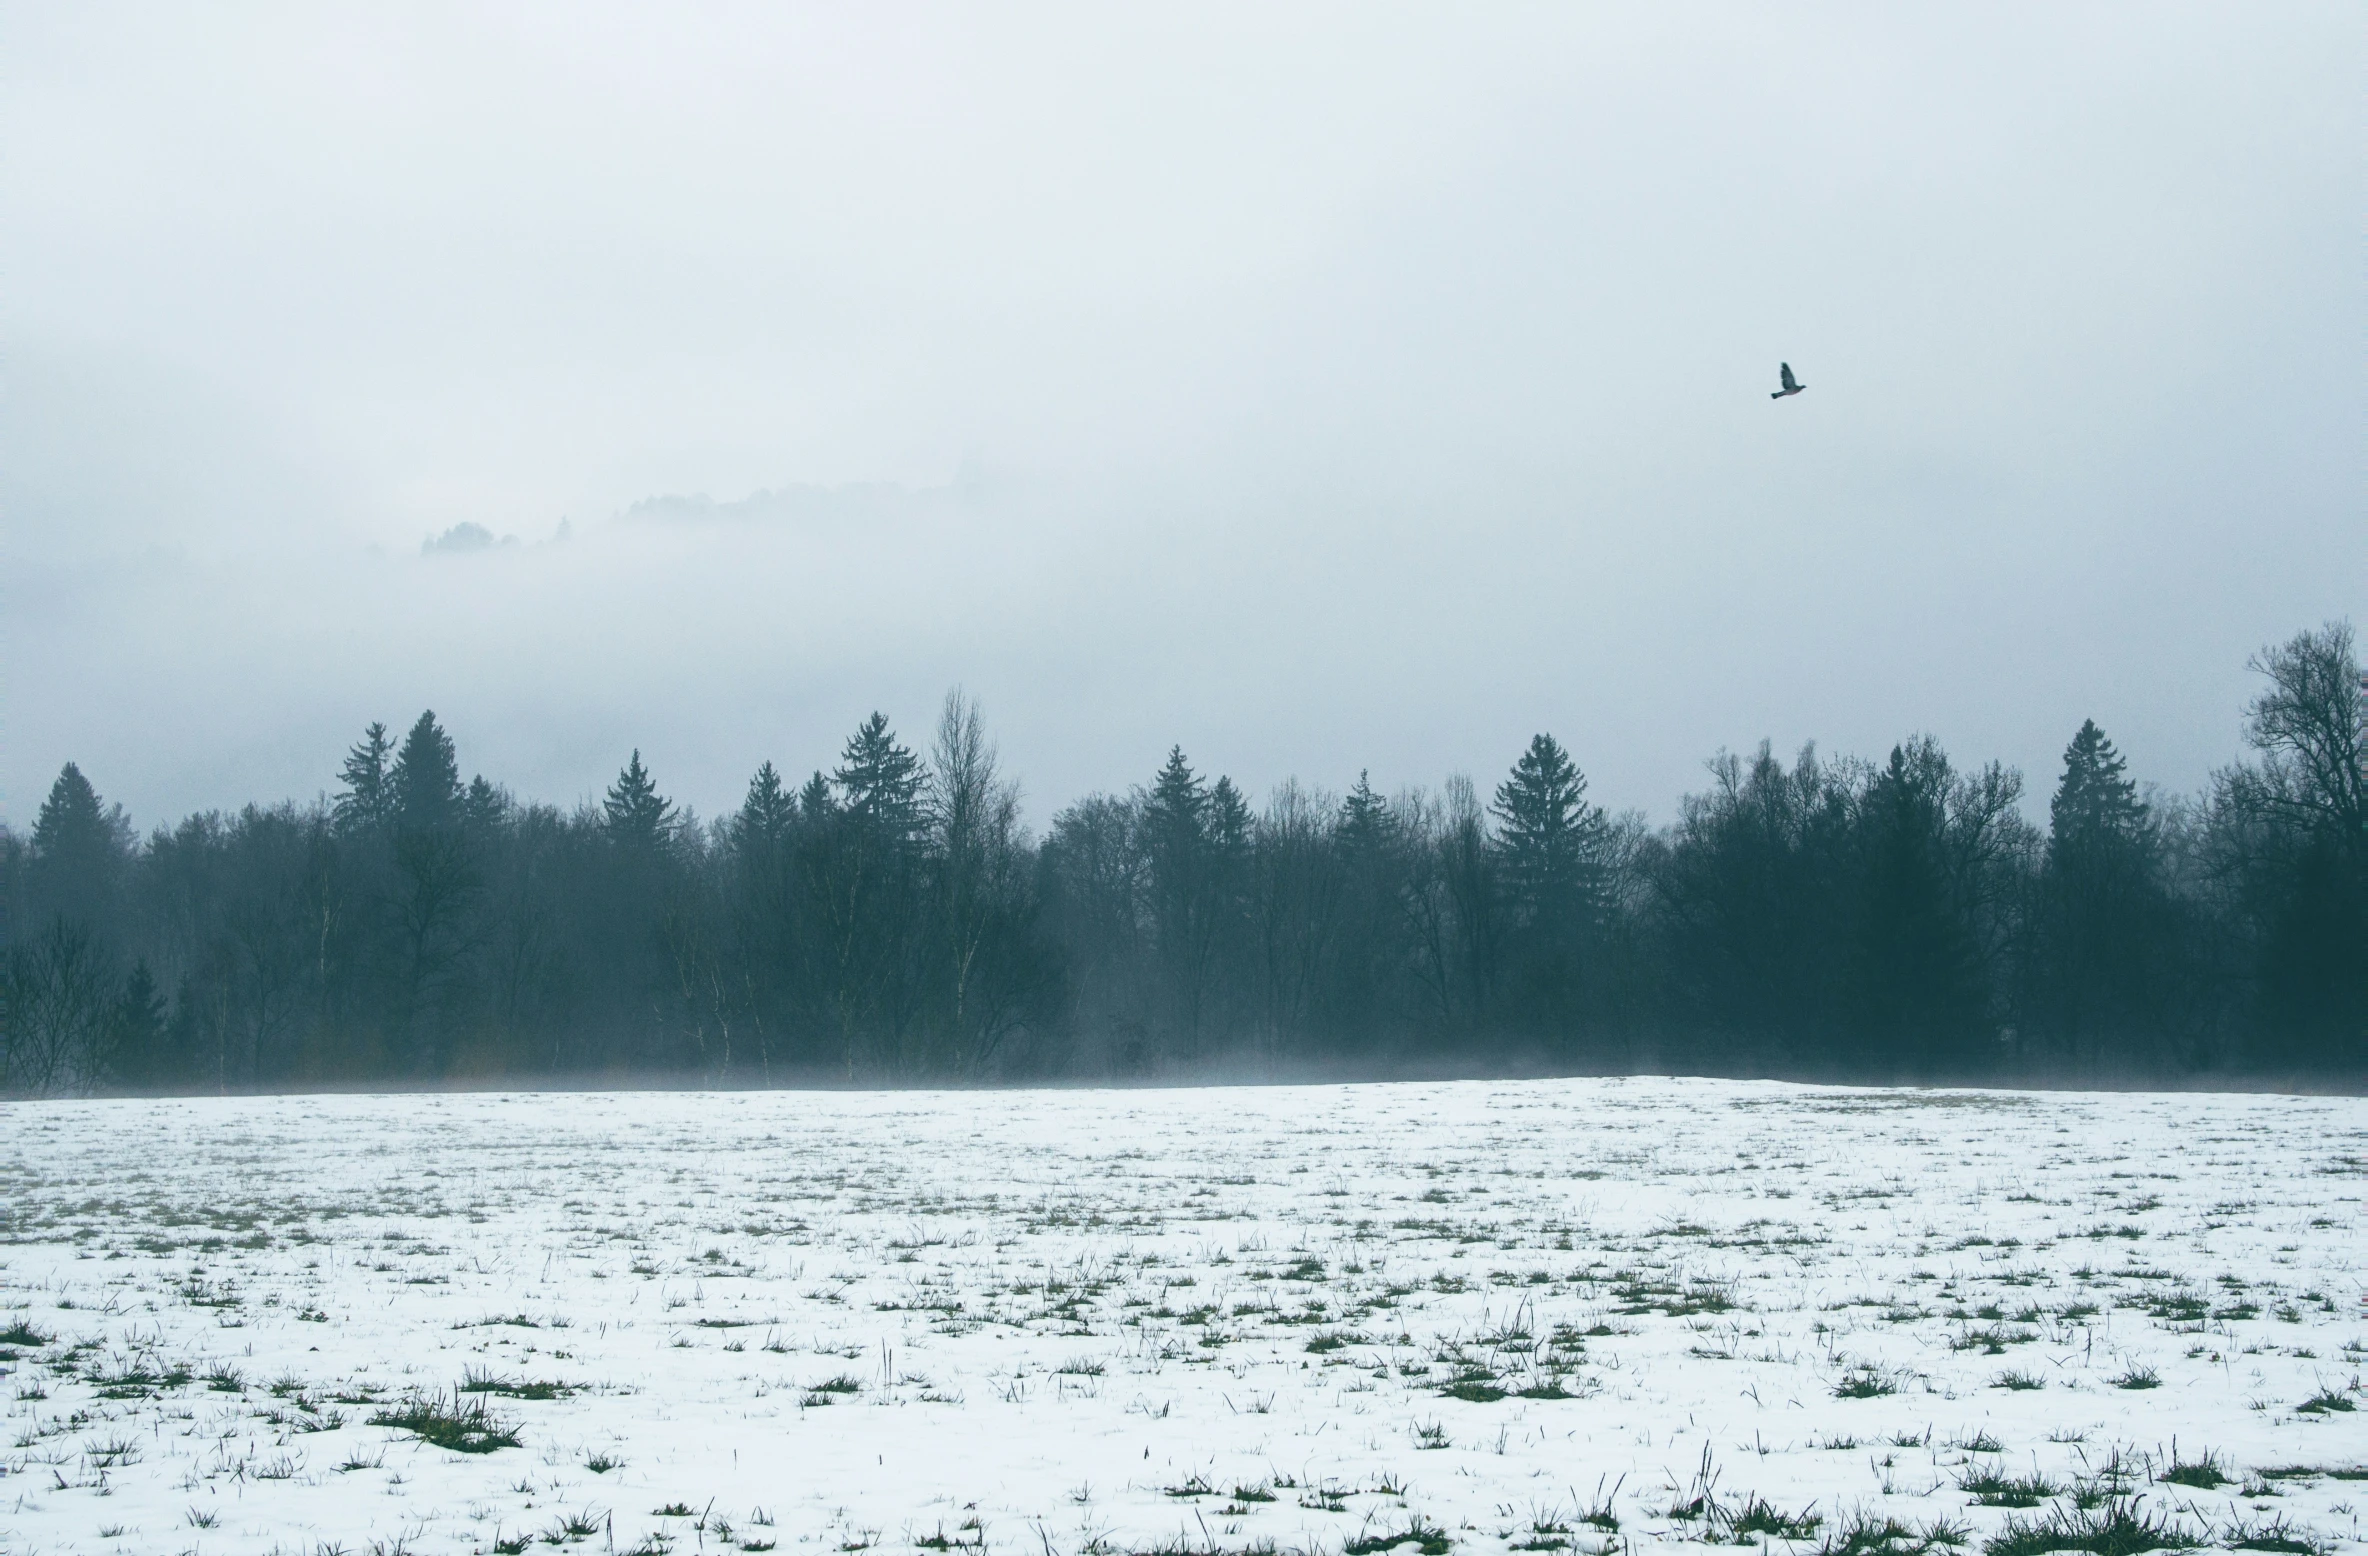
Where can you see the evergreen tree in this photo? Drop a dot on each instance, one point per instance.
(1364, 819)
(2096, 808)
(1229, 819)
(2093, 975)
(638, 815)
(879, 784)
(1176, 848)
(424, 783)
(767, 814)
(1916, 976)
(367, 799)
(484, 807)
(1175, 817)
(1549, 838)
(815, 801)
(140, 1030)
(79, 850)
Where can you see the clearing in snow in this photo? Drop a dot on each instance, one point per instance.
(1532, 1316)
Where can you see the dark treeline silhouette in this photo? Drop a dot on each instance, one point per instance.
(892, 919)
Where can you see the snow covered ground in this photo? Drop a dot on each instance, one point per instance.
(1535, 1316)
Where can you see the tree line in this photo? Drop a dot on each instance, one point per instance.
(893, 919)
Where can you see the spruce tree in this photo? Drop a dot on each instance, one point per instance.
(1175, 814)
(138, 1041)
(2095, 807)
(71, 827)
(1549, 838)
(367, 800)
(484, 807)
(1364, 819)
(424, 783)
(2097, 938)
(1918, 984)
(815, 801)
(879, 784)
(638, 816)
(768, 812)
(1229, 819)
(79, 849)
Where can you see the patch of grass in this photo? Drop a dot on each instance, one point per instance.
(2271, 1534)
(138, 1377)
(2324, 1402)
(2207, 1472)
(2121, 1527)
(602, 1461)
(463, 1427)
(582, 1524)
(1480, 1389)
(1867, 1535)
(1864, 1383)
(475, 1380)
(21, 1333)
(1992, 1489)
(1758, 1516)
(2018, 1380)
(1427, 1537)
(2137, 1378)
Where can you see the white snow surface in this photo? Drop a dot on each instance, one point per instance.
(1222, 1319)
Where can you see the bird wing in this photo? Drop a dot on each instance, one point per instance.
(1785, 368)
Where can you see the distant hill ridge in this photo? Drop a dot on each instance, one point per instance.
(863, 501)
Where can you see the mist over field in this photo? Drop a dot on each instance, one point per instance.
(1320, 390)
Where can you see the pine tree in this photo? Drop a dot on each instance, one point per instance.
(367, 799)
(79, 850)
(1176, 841)
(1918, 985)
(879, 784)
(71, 826)
(815, 801)
(1364, 819)
(1549, 839)
(484, 807)
(2096, 970)
(767, 814)
(1175, 814)
(138, 1041)
(424, 783)
(1229, 820)
(2095, 807)
(638, 815)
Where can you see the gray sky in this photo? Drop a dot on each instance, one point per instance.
(1321, 387)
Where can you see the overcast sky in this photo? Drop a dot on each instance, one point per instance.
(1320, 387)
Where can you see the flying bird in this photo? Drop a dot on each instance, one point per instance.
(1792, 385)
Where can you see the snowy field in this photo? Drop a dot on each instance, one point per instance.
(1475, 1317)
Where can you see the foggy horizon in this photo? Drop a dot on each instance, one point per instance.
(1318, 392)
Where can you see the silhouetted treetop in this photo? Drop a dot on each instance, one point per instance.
(636, 814)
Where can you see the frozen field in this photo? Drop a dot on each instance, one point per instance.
(1534, 1316)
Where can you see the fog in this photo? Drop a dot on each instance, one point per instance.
(1322, 388)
